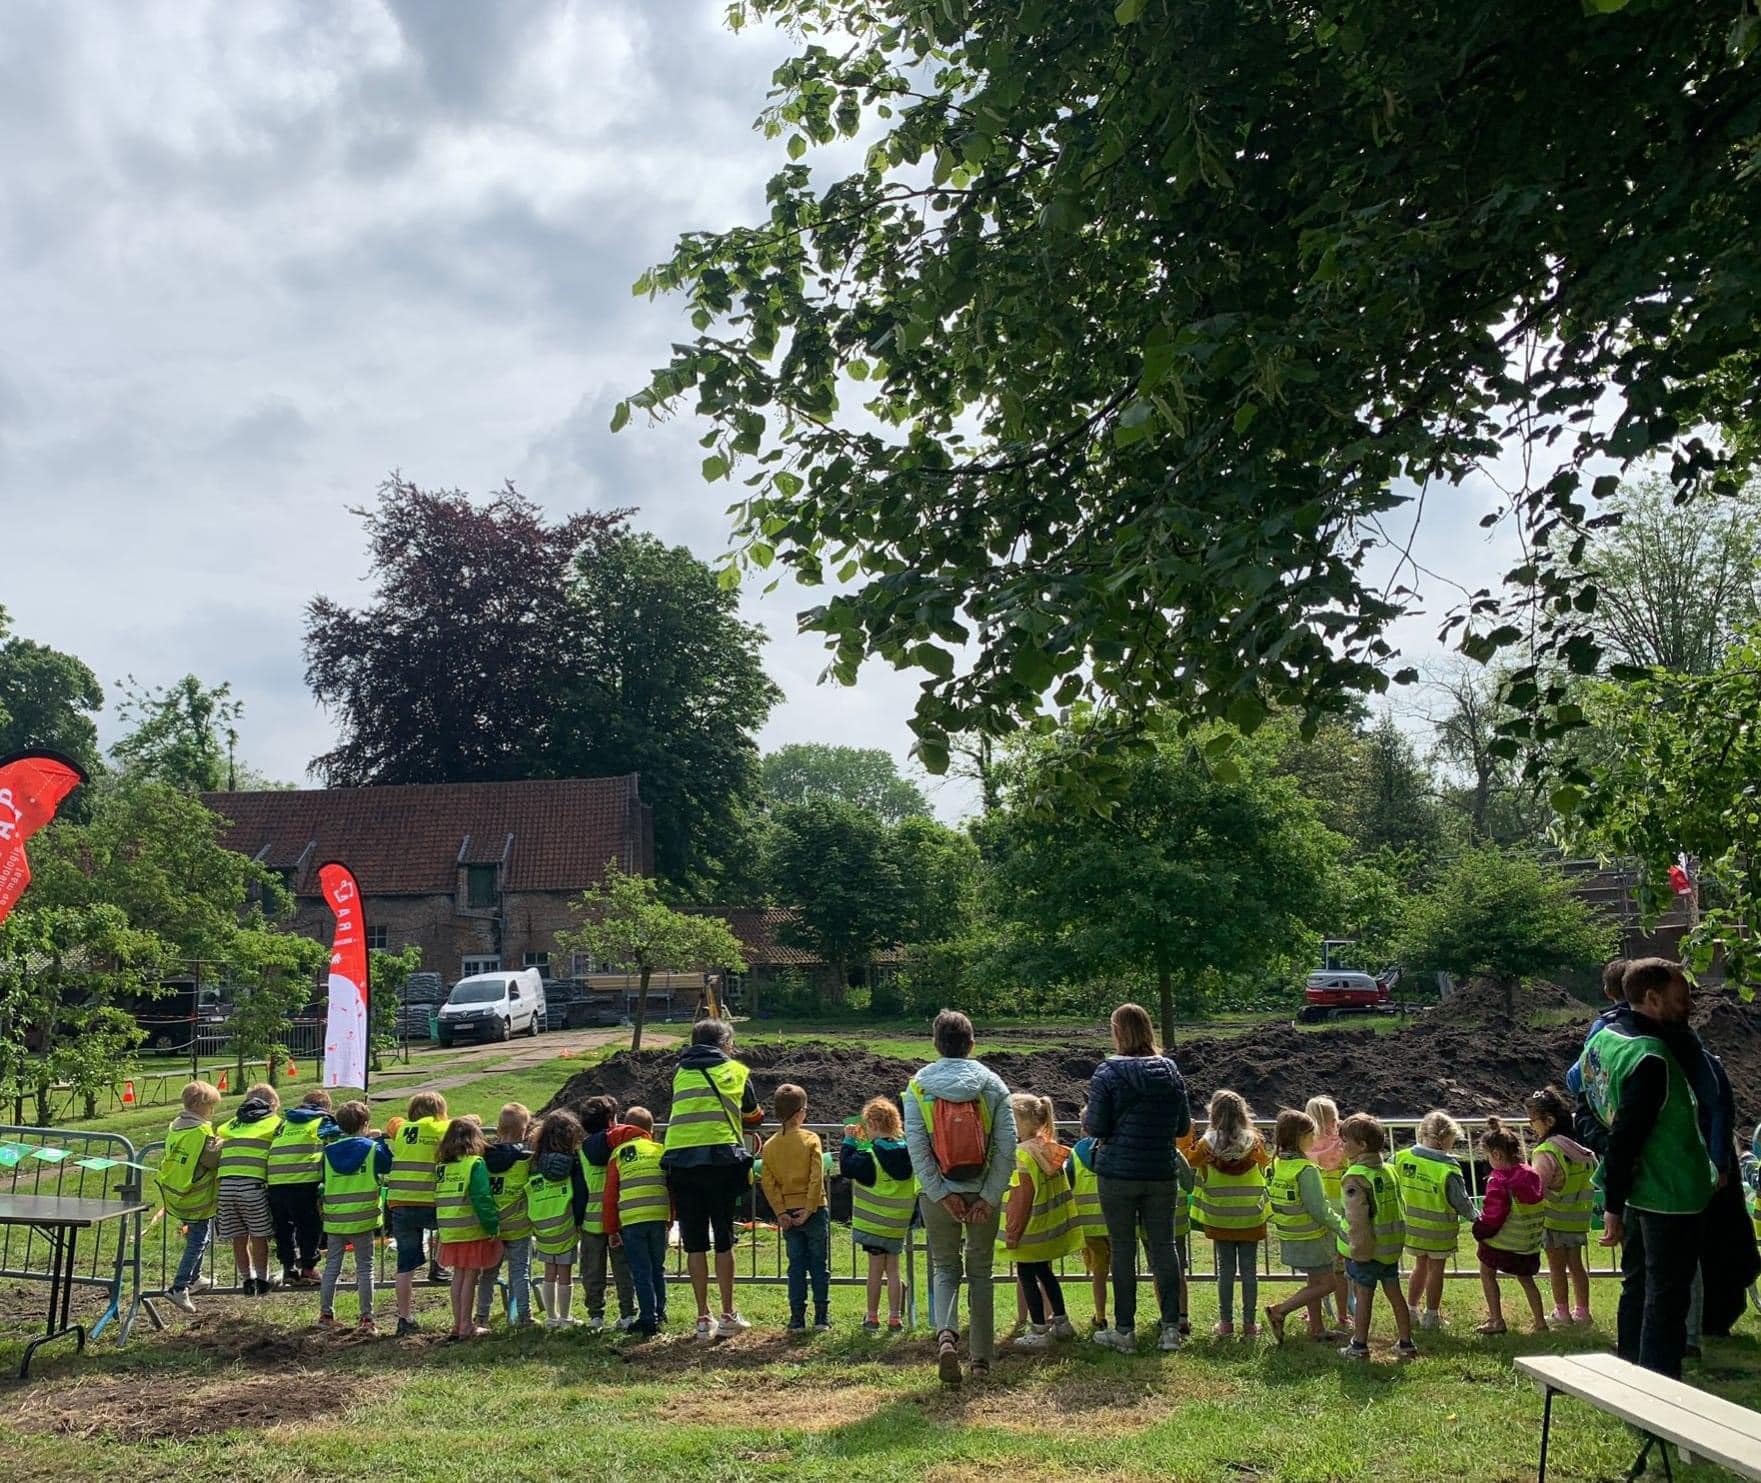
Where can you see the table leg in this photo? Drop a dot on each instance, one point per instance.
(63, 1245)
(1546, 1429)
(1640, 1461)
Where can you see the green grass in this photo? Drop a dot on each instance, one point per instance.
(250, 1391)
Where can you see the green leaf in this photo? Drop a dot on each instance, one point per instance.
(715, 467)
(939, 662)
(1134, 423)
(761, 554)
(1126, 12)
(1247, 711)
(1603, 7)
(797, 146)
(620, 416)
(1244, 416)
(728, 578)
(1226, 770)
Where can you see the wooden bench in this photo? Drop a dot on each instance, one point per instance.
(1666, 1411)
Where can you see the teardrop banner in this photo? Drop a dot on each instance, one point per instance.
(32, 785)
(345, 1030)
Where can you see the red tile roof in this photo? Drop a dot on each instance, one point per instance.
(411, 840)
(757, 927)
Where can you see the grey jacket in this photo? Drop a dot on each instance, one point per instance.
(963, 1080)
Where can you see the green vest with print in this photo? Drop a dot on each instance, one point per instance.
(1052, 1228)
(1568, 1208)
(1432, 1226)
(186, 1189)
(244, 1147)
(549, 1206)
(1674, 1174)
(349, 1203)
(1290, 1221)
(1386, 1221)
(706, 1106)
(509, 1189)
(295, 1152)
(642, 1193)
(455, 1217)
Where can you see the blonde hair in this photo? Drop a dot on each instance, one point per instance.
(1438, 1130)
(1229, 1115)
(1036, 1113)
(880, 1115)
(639, 1117)
(263, 1092)
(510, 1123)
(427, 1104)
(1325, 1112)
(198, 1095)
(1133, 1033)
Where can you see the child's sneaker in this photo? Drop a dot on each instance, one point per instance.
(730, 1325)
(1037, 1337)
(596, 1322)
(326, 1320)
(624, 1325)
(1063, 1328)
(179, 1298)
(1430, 1320)
(1581, 1316)
(796, 1326)
(1224, 1330)
(1170, 1340)
(1355, 1350)
(201, 1284)
(310, 1277)
(406, 1327)
(705, 1328)
(1559, 1318)
(1124, 1341)
(822, 1324)
(1406, 1349)
(367, 1326)
(1250, 1330)
(871, 1326)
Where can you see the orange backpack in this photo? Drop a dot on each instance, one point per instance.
(959, 1133)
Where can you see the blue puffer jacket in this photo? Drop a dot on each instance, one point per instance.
(1137, 1107)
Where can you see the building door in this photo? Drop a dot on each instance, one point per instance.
(479, 965)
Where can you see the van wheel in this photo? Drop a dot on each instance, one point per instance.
(443, 1041)
(506, 1030)
(532, 1026)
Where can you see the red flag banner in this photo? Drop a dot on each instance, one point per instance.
(32, 785)
(345, 1031)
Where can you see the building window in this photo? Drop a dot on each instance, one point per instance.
(580, 965)
(473, 966)
(479, 887)
(376, 938)
(535, 960)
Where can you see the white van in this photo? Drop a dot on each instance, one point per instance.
(493, 1006)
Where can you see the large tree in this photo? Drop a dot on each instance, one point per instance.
(1152, 305)
(865, 776)
(1202, 863)
(439, 677)
(183, 734)
(47, 699)
(658, 675)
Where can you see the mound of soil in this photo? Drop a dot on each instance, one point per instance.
(1462, 1055)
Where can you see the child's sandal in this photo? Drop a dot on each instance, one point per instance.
(1491, 1329)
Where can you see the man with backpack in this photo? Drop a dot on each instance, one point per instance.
(961, 1134)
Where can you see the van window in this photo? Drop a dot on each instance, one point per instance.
(484, 991)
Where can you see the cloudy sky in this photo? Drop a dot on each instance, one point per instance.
(253, 256)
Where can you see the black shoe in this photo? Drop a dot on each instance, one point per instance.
(255, 1287)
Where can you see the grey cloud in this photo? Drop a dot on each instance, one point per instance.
(276, 430)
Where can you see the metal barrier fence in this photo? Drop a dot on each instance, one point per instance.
(760, 1250)
(65, 1163)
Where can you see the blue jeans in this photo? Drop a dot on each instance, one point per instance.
(518, 1256)
(645, 1250)
(195, 1246)
(809, 1250)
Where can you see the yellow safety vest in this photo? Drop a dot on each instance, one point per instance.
(455, 1217)
(350, 1202)
(1182, 1197)
(706, 1106)
(1052, 1227)
(882, 1210)
(1232, 1202)
(593, 1222)
(186, 1189)
(1521, 1231)
(549, 1206)
(295, 1152)
(411, 1181)
(244, 1147)
(642, 1193)
(1568, 1208)
(1290, 1221)
(1386, 1221)
(1432, 1226)
(1085, 1184)
(509, 1188)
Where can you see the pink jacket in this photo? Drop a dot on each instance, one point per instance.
(1518, 1181)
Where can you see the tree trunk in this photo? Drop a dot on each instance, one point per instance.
(1165, 988)
(641, 1010)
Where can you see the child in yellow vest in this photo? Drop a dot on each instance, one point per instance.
(1434, 1201)
(188, 1187)
(883, 1200)
(509, 1163)
(637, 1211)
(1229, 1162)
(601, 1135)
(409, 1195)
(1509, 1228)
(1375, 1233)
(1329, 1158)
(1564, 1167)
(242, 1214)
(351, 1175)
(1308, 1228)
(1039, 1220)
(556, 1199)
(467, 1218)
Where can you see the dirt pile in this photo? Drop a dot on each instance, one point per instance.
(1461, 1055)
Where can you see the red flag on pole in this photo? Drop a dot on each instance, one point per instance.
(32, 785)
(345, 1029)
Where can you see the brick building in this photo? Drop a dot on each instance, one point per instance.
(479, 876)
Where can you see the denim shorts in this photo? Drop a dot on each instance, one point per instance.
(408, 1222)
(1372, 1274)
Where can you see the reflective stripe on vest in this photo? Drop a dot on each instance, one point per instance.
(593, 1222)
(455, 1217)
(1232, 1202)
(244, 1147)
(1521, 1231)
(1051, 1225)
(350, 1202)
(411, 1181)
(186, 1189)
(1290, 1221)
(1569, 1207)
(549, 1207)
(509, 1189)
(642, 1194)
(295, 1152)
(1386, 1220)
(704, 1116)
(1086, 1185)
(1432, 1226)
(882, 1210)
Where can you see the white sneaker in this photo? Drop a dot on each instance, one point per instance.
(730, 1325)
(201, 1284)
(624, 1325)
(1170, 1340)
(180, 1299)
(1037, 1337)
(1559, 1318)
(705, 1329)
(1122, 1340)
(1063, 1328)
(596, 1324)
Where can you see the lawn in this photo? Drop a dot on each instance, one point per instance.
(251, 1390)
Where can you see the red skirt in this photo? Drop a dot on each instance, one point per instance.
(1511, 1263)
(471, 1256)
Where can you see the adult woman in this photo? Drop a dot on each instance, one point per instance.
(708, 1165)
(1137, 1107)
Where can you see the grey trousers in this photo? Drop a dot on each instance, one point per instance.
(960, 1253)
(594, 1251)
(333, 1255)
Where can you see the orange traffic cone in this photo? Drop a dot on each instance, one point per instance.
(293, 1071)
(223, 1083)
(128, 1094)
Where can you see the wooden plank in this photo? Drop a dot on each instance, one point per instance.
(1702, 1425)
